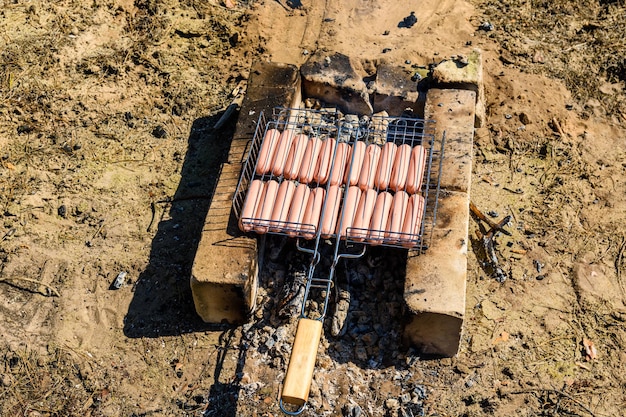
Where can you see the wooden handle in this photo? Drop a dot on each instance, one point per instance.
(302, 362)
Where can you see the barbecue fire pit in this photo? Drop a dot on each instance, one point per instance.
(316, 175)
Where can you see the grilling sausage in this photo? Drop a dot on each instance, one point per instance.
(266, 154)
(255, 192)
(264, 210)
(380, 218)
(411, 227)
(282, 150)
(396, 218)
(324, 161)
(363, 215)
(294, 158)
(370, 165)
(400, 167)
(416, 170)
(281, 206)
(331, 211)
(311, 219)
(358, 153)
(309, 161)
(297, 209)
(349, 209)
(385, 165)
(342, 156)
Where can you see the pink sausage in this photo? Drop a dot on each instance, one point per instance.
(281, 206)
(412, 221)
(342, 156)
(349, 209)
(363, 214)
(331, 211)
(381, 181)
(380, 218)
(370, 165)
(416, 170)
(297, 209)
(255, 192)
(311, 219)
(282, 149)
(309, 161)
(266, 154)
(294, 158)
(396, 218)
(324, 161)
(357, 162)
(400, 168)
(266, 205)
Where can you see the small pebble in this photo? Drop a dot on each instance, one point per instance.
(486, 26)
(386, 50)
(493, 213)
(508, 116)
(391, 403)
(159, 132)
(409, 21)
(540, 277)
(62, 211)
(385, 33)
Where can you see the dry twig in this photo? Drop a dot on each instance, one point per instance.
(34, 281)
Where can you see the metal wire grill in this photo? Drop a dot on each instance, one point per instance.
(328, 125)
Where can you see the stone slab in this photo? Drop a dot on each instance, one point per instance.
(453, 112)
(336, 79)
(394, 90)
(464, 75)
(224, 273)
(435, 284)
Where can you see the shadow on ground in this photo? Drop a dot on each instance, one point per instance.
(162, 304)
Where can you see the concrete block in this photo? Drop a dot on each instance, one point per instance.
(394, 91)
(225, 269)
(453, 112)
(338, 80)
(464, 75)
(435, 285)
(434, 289)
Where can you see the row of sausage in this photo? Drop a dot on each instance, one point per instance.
(365, 215)
(309, 160)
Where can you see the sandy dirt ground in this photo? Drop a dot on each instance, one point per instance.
(108, 157)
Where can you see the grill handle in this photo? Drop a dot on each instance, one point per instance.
(297, 382)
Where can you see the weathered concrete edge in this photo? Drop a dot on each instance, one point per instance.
(435, 283)
(224, 275)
